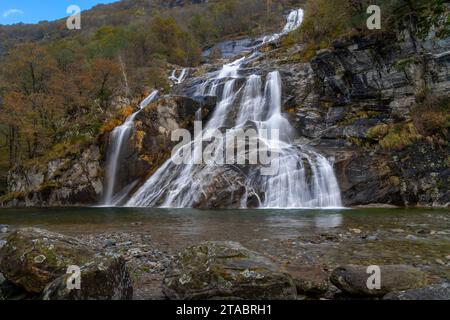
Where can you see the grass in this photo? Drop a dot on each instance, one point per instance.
(400, 136)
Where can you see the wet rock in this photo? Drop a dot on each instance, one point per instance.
(37, 260)
(440, 291)
(213, 270)
(352, 279)
(104, 278)
(309, 280)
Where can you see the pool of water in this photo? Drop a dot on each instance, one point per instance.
(363, 236)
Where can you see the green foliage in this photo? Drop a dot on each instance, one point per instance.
(59, 93)
(327, 20)
(378, 132)
(432, 117)
(400, 136)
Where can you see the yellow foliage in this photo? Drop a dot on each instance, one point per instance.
(110, 125)
(400, 136)
(127, 111)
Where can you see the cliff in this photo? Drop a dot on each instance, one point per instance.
(365, 102)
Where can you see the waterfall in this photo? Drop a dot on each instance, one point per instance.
(118, 139)
(303, 179)
(294, 20)
(178, 80)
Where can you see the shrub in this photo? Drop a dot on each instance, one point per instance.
(378, 132)
(400, 136)
(432, 117)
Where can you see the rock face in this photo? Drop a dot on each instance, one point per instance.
(356, 85)
(74, 179)
(225, 270)
(352, 279)
(440, 291)
(150, 144)
(37, 260)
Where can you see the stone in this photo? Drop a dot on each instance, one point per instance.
(439, 291)
(352, 279)
(104, 278)
(225, 270)
(4, 228)
(37, 260)
(309, 280)
(32, 258)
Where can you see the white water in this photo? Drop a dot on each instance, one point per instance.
(304, 179)
(118, 139)
(294, 20)
(181, 77)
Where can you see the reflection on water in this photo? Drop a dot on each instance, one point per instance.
(216, 224)
(385, 236)
(328, 221)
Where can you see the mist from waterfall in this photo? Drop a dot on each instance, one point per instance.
(304, 179)
(118, 140)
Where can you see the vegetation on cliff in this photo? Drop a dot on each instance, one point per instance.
(58, 91)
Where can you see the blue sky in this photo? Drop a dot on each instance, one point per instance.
(33, 11)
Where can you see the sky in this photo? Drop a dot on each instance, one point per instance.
(33, 11)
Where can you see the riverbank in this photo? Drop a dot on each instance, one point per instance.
(315, 241)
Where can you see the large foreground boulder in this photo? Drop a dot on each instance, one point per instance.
(214, 270)
(104, 278)
(352, 279)
(37, 261)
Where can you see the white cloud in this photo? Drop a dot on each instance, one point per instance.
(9, 12)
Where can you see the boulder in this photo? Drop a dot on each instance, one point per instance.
(37, 260)
(104, 278)
(352, 279)
(309, 280)
(225, 270)
(439, 291)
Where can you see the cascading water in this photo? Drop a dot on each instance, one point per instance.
(303, 179)
(294, 20)
(118, 139)
(181, 77)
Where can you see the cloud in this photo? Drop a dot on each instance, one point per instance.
(9, 12)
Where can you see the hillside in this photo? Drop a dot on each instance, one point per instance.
(348, 92)
(80, 78)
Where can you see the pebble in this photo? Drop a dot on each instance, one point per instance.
(440, 262)
(355, 230)
(411, 237)
(2, 243)
(447, 257)
(423, 231)
(110, 243)
(4, 228)
(398, 230)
